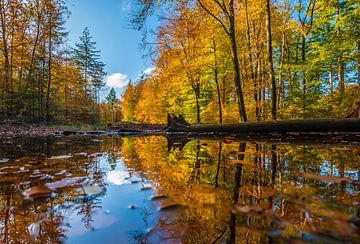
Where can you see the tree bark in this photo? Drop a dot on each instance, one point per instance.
(237, 78)
(257, 115)
(310, 125)
(49, 71)
(216, 77)
(270, 60)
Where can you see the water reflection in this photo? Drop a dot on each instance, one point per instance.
(199, 191)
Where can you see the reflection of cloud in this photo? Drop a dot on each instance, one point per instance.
(117, 80)
(118, 177)
(148, 71)
(101, 221)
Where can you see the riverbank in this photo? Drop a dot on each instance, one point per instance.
(27, 130)
(36, 130)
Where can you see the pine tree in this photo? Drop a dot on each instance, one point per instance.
(87, 57)
(111, 100)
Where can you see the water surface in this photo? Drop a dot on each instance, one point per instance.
(112, 189)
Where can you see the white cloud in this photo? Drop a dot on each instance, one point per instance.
(148, 71)
(117, 80)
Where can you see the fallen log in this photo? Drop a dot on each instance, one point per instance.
(176, 124)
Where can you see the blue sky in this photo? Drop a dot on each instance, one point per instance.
(107, 21)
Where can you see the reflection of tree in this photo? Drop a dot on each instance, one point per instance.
(195, 174)
(88, 205)
(218, 166)
(111, 158)
(235, 198)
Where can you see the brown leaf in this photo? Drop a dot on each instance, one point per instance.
(37, 191)
(327, 178)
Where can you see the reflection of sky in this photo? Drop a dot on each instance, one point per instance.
(117, 177)
(114, 221)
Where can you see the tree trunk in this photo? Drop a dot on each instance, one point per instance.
(197, 107)
(49, 72)
(358, 64)
(216, 77)
(310, 125)
(331, 82)
(303, 84)
(270, 60)
(218, 94)
(257, 115)
(6, 80)
(282, 56)
(237, 78)
(341, 75)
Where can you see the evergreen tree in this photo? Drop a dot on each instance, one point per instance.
(111, 97)
(92, 68)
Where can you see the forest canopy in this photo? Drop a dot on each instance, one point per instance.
(225, 61)
(42, 78)
(214, 62)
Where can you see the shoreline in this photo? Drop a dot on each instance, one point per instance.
(41, 130)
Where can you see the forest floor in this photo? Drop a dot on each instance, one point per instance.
(34, 130)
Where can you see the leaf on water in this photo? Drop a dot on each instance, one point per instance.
(327, 178)
(171, 206)
(158, 197)
(60, 157)
(66, 182)
(93, 190)
(135, 181)
(61, 172)
(94, 155)
(146, 188)
(4, 160)
(81, 154)
(37, 191)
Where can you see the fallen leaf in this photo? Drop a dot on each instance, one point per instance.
(171, 206)
(66, 182)
(327, 178)
(157, 197)
(37, 191)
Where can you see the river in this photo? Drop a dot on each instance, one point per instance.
(113, 189)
